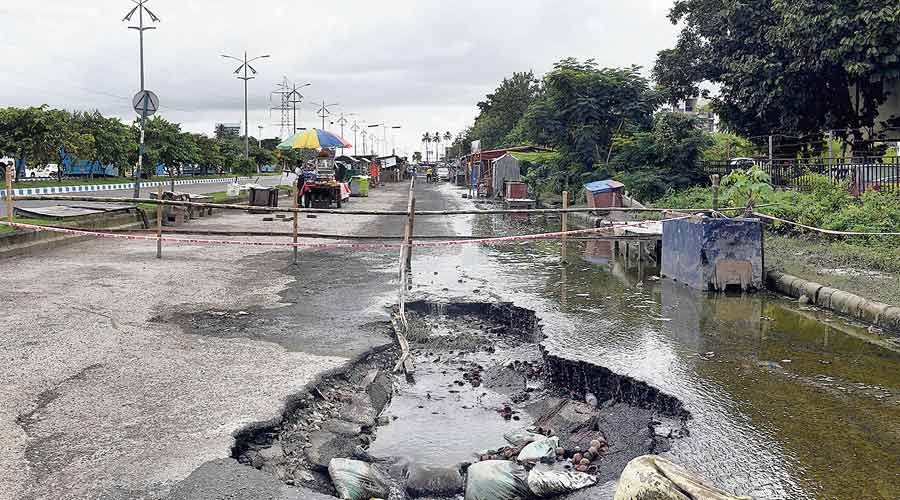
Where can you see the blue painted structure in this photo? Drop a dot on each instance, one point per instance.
(710, 254)
(603, 186)
(86, 168)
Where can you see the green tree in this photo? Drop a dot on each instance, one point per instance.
(417, 157)
(725, 146)
(501, 110)
(798, 67)
(583, 108)
(666, 157)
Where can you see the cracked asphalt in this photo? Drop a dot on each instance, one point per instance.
(124, 374)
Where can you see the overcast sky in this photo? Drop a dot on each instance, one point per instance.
(422, 65)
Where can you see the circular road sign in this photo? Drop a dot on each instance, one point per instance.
(152, 102)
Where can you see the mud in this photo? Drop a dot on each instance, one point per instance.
(480, 374)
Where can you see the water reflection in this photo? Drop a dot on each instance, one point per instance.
(788, 402)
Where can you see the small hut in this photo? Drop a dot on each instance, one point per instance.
(506, 169)
(604, 194)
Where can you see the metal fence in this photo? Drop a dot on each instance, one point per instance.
(859, 174)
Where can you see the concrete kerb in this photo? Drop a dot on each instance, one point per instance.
(877, 313)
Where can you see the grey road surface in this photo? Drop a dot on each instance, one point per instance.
(145, 193)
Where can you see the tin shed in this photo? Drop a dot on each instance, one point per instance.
(604, 194)
(506, 168)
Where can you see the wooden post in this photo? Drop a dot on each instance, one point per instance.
(295, 204)
(159, 223)
(715, 191)
(10, 173)
(410, 221)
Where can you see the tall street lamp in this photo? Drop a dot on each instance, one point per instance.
(140, 8)
(245, 65)
(342, 121)
(324, 112)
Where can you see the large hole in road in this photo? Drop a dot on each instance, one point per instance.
(482, 379)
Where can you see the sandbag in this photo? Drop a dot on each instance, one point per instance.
(654, 477)
(539, 451)
(522, 437)
(497, 480)
(434, 480)
(545, 482)
(355, 480)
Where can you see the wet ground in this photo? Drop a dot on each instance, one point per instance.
(786, 401)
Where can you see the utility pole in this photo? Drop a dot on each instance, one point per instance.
(295, 97)
(771, 153)
(355, 129)
(245, 65)
(384, 128)
(364, 134)
(324, 112)
(259, 137)
(344, 121)
(140, 8)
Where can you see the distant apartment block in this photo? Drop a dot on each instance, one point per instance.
(228, 130)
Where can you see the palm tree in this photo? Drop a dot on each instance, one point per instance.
(437, 149)
(448, 138)
(426, 139)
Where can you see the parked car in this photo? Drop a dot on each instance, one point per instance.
(443, 174)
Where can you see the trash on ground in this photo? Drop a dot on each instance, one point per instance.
(497, 480)
(545, 482)
(355, 480)
(540, 451)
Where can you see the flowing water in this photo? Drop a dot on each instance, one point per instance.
(787, 401)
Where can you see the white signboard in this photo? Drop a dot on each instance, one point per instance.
(389, 162)
(476, 146)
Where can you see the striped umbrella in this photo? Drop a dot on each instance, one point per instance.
(314, 139)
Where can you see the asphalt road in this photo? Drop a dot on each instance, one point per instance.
(145, 193)
(111, 391)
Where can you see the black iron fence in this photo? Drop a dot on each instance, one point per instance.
(858, 174)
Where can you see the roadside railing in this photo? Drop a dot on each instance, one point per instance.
(860, 174)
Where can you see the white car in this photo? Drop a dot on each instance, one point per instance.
(443, 174)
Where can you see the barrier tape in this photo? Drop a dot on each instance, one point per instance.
(820, 230)
(196, 241)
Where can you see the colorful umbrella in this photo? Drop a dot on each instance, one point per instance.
(314, 139)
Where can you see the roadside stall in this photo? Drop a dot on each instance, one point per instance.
(318, 185)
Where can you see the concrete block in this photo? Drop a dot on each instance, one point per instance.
(872, 312)
(811, 290)
(711, 254)
(824, 297)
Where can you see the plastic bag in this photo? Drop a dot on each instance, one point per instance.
(545, 482)
(651, 476)
(540, 451)
(355, 480)
(522, 437)
(497, 480)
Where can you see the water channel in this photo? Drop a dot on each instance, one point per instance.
(787, 401)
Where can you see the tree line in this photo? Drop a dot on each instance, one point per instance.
(795, 70)
(42, 135)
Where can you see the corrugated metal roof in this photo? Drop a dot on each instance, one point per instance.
(603, 186)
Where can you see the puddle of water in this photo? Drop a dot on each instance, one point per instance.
(439, 422)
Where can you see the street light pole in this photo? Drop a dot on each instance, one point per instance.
(245, 66)
(324, 112)
(140, 9)
(295, 97)
(364, 134)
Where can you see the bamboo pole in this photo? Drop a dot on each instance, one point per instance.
(10, 173)
(159, 224)
(403, 213)
(411, 224)
(294, 195)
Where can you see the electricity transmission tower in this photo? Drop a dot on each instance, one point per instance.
(281, 93)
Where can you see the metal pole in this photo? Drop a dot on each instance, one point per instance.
(246, 113)
(159, 223)
(294, 194)
(10, 172)
(140, 164)
(771, 153)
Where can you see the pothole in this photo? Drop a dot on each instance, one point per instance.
(483, 390)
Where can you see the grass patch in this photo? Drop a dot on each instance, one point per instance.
(22, 220)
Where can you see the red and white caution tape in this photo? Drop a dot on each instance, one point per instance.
(196, 241)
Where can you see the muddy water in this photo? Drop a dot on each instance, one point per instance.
(787, 401)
